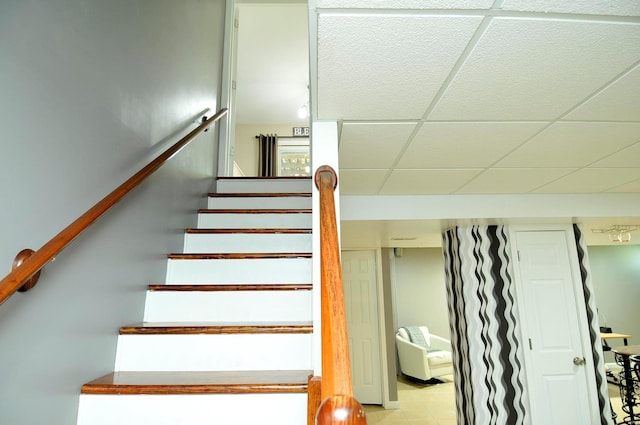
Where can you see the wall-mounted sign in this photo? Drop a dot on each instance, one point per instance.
(301, 131)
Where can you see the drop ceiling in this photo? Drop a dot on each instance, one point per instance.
(476, 98)
(464, 98)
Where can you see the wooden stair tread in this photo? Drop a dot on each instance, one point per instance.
(255, 211)
(261, 195)
(234, 287)
(264, 178)
(251, 231)
(239, 256)
(205, 382)
(215, 328)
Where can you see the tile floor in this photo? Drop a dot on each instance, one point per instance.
(434, 405)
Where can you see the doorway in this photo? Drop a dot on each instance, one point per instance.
(269, 66)
(553, 325)
(361, 305)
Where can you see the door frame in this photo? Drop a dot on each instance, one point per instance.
(382, 338)
(583, 322)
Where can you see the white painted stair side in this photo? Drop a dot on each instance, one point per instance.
(226, 352)
(261, 202)
(239, 271)
(247, 242)
(229, 306)
(225, 220)
(258, 185)
(196, 409)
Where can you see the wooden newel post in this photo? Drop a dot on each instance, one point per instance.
(341, 410)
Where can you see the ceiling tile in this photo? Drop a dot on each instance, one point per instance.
(631, 187)
(389, 67)
(537, 69)
(589, 7)
(573, 144)
(618, 102)
(592, 180)
(406, 4)
(368, 145)
(420, 182)
(360, 182)
(513, 180)
(629, 157)
(459, 145)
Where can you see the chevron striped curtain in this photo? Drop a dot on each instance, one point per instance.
(488, 357)
(268, 155)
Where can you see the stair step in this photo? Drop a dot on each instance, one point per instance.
(245, 287)
(229, 303)
(238, 256)
(263, 184)
(247, 231)
(169, 351)
(248, 241)
(200, 382)
(194, 409)
(215, 268)
(259, 200)
(207, 328)
(261, 195)
(265, 218)
(214, 346)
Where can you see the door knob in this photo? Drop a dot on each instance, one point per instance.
(579, 361)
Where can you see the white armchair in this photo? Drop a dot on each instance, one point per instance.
(423, 355)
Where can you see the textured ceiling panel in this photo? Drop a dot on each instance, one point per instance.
(361, 182)
(416, 182)
(372, 145)
(628, 157)
(592, 180)
(513, 180)
(377, 67)
(535, 69)
(590, 7)
(618, 102)
(632, 187)
(573, 144)
(459, 145)
(406, 4)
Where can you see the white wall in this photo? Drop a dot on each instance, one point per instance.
(90, 91)
(420, 292)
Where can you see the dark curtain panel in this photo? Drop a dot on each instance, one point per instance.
(267, 161)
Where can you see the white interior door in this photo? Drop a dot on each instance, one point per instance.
(360, 297)
(556, 368)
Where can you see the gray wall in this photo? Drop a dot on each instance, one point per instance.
(89, 92)
(421, 297)
(616, 281)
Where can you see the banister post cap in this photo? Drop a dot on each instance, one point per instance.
(325, 169)
(341, 410)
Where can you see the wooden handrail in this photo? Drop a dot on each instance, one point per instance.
(35, 261)
(338, 406)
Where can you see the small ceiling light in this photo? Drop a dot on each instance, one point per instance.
(619, 232)
(303, 111)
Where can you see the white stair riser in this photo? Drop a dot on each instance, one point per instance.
(284, 202)
(263, 186)
(232, 271)
(247, 243)
(198, 409)
(228, 306)
(213, 352)
(254, 221)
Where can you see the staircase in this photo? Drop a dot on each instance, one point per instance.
(228, 338)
